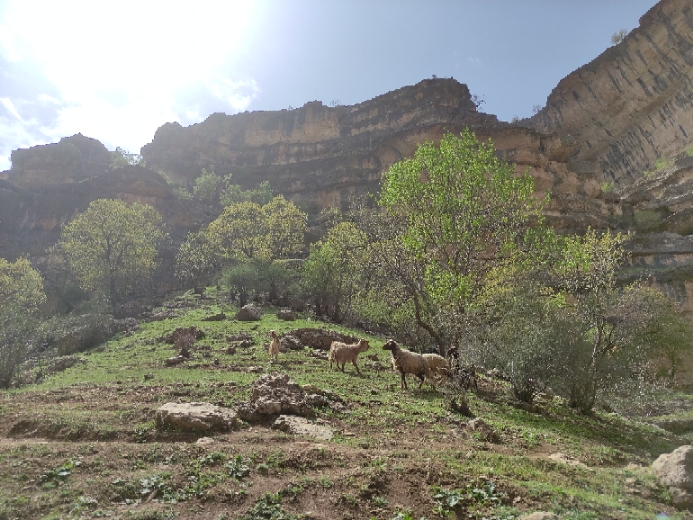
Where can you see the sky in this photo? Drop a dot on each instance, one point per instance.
(117, 71)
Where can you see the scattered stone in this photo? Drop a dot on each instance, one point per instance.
(301, 426)
(175, 360)
(376, 366)
(372, 357)
(461, 406)
(277, 394)
(215, 317)
(231, 349)
(289, 342)
(249, 313)
(254, 370)
(175, 336)
(310, 388)
(486, 433)
(316, 353)
(240, 337)
(148, 377)
(675, 470)
(320, 338)
(287, 315)
(159, 316)
(566, 459)
(242, 344)
(677, 426)
(196, 417)
(205, 441)
(541, 515)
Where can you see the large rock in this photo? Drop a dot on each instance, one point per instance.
(302, 426)
(277, 394)
(315, 338)
(199, 417)
(249, 313)
(675, 470)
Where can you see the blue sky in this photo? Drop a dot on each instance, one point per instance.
(116, 71)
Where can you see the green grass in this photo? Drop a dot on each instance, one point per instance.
(100, 413)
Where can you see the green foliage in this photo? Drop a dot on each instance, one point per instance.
(56, 476)
(234, 194)
(332, 271)
(21, 294)
(449, 500)
(460, 215)
(607, 187)
(20, 285)
(248, 230)
(112, 246)
(619, 36)
(196, 259)
(206, 186)
(237, 468)
(268, 507)
(120, 158)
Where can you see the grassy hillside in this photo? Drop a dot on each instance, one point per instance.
(84, 444)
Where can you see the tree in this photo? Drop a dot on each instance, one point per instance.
(463, 216)
(196, 259)
(619, 36)
(238, 232)
(285, 227)
(21, 294)
(120, 158)
(112, 246)
(331, 274)
(206, 186)
(249, 231)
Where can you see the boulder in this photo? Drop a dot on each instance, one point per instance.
(319, 338)
(249, 313)
(485, 432)
(301, 426)
(675, 470)
(287, 315)
(199, 417)
(277, 394)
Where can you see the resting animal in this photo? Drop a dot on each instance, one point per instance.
(341, 353)
(274, 347)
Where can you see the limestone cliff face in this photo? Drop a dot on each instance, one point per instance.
(316, 152)
(633, 104)
(73, 159)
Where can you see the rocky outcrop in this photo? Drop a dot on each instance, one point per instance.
(675, 470)
(197, 417)
(633, 104)
(73, 159)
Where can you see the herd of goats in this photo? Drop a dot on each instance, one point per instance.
(426, 367)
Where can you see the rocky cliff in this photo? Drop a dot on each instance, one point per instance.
(633, 104)
(609, 146)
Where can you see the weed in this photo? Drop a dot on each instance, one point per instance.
(237, 468)
(449, 500)
(142, 430)
(56, 476)
(379, 501)
(268, 507)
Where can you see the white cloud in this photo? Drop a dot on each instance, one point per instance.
(9, 106)
(237, 94)
(117, 72)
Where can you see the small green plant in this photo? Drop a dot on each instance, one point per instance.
(608, 187)
(379, 501)
(449, 500)
(142, 431)
(237, 468)
(661, 164)
(56, 476)
(268, 507)
(689, 151)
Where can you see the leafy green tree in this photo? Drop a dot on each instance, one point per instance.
(120, 158)
(331, 274)
(285, 227)
(239, 231)
(112, 246)
(21, 294)
(461, 216)
(196, 260)
(206, 186)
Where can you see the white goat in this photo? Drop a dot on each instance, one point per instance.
(341, 353)
(274, 347)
